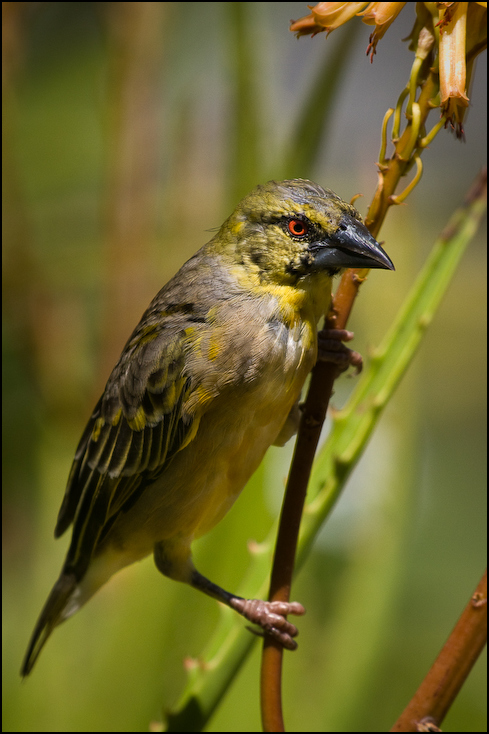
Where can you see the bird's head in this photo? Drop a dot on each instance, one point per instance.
(285, 230)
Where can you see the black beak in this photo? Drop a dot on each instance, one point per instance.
(351, 246)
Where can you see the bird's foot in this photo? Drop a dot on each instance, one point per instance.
(332, 349)
(270, 616)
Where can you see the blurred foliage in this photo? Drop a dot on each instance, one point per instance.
(129, 130)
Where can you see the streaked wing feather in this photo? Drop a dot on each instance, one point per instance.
(135, 429)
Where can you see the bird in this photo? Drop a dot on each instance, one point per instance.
(208, 380)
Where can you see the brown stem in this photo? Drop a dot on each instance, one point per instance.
(448, 673)
(314, 413)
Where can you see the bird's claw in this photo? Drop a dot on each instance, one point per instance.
(270, 616)
(332, 349)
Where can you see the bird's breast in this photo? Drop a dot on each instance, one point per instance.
(247, 374)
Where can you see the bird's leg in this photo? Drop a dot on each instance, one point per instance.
(174, 560)
(269, 615)
(332, 349)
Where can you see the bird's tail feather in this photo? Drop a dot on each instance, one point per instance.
(53, 613)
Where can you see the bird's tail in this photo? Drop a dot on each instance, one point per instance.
(54, 612)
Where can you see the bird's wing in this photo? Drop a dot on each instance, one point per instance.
(138, 425)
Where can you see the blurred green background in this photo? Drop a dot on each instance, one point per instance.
(130, 130)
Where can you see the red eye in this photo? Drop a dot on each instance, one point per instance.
(297, 227)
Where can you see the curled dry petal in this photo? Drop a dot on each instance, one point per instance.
(453, 97)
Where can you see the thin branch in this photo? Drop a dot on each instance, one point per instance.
(317, 400)
(448, 673)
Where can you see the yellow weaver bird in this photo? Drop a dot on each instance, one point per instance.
(209, 379)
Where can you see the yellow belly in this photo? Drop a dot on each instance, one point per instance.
(204, 479)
